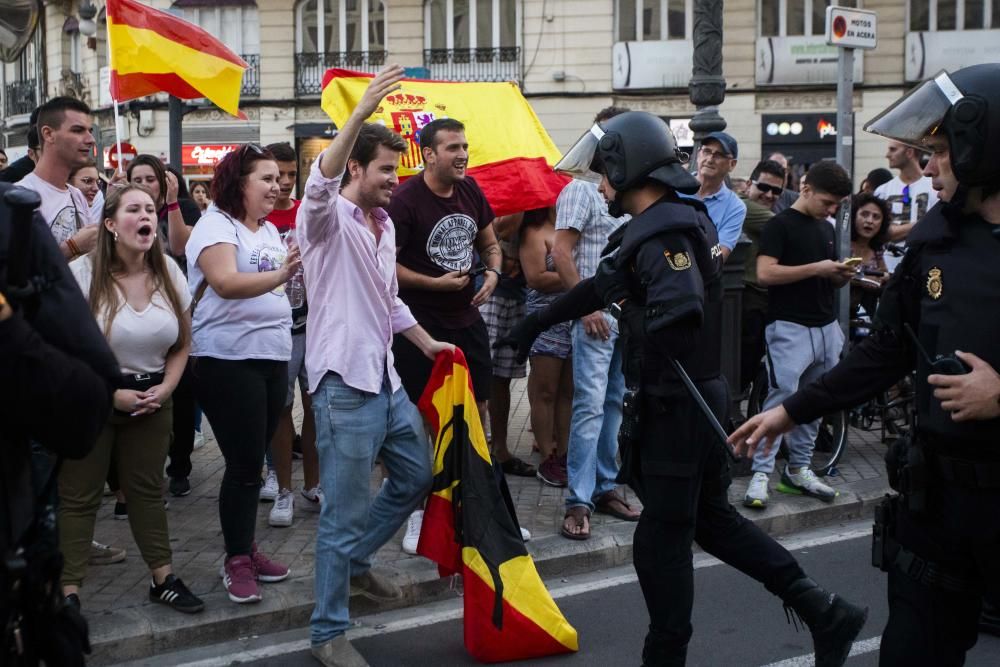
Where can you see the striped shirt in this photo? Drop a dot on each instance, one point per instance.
(581, 207)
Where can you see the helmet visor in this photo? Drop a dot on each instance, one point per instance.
(578, 161)
(918, 113)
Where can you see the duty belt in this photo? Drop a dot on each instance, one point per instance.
(932, 574)
(971, 474)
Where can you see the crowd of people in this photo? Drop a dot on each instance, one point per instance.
(219, 300)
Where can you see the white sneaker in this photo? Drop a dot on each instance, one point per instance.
(269, 491)
(413, 526)
(284, 509)
(199, 439)
(525, 535)
(313, 499)
(805, 482)
(757, 491)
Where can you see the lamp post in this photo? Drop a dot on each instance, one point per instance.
(707, 88)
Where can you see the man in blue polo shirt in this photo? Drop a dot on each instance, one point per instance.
(716, 160)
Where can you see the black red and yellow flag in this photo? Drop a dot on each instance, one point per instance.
(469, 529)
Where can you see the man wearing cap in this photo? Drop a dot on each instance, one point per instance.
(716, 160)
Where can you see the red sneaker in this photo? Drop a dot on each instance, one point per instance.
(238, 578)
(265, 569)
(552, 472)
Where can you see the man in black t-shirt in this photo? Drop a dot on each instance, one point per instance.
(798, 264)
(442, 220)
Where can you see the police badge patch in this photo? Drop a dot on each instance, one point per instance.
(679, 261)
(934, 284)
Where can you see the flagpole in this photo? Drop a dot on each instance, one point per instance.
(114, 101)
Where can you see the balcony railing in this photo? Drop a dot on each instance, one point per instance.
(19, 98)
(482, 64)
(310, 67)
(251, 75)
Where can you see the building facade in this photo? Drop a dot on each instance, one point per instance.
(572, 57)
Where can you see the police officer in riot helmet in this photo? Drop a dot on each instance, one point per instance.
(939, 539)
(661, 276)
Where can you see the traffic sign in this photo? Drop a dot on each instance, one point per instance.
(851, 28)
(128, 153)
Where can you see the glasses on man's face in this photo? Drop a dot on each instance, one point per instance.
(716, 155)
(766, 188)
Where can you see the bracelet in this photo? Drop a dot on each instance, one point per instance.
(74, 249)
(173, 206)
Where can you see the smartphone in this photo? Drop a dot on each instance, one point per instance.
(852, 261)
(477, 271)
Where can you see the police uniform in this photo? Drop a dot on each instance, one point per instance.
(946, 532)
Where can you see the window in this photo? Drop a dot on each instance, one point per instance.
(790, 18)
(236, 27)
(930, 15)
(338, 26)
(653, 20)
(470, 24)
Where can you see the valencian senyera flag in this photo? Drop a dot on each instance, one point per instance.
(152, 51)
(469, 528)
(510, 153)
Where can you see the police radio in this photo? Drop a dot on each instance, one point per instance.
(942, 364)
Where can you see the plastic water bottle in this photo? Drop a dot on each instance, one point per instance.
(295, 288)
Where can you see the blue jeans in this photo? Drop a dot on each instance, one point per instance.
(599, 386)
(352, 428)
(796, 355)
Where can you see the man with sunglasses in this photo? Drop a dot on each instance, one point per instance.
(909, 194)
(716, 160)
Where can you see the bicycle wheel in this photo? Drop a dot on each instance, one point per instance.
(831, 440)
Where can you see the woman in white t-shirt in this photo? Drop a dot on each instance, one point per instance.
(238, 267)
(140, 300)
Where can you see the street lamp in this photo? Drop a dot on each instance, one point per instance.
(87, 12)
(707, 88)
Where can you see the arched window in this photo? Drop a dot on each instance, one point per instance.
(337, 33)
(472, 40)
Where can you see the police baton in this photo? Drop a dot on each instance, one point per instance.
(707, 411)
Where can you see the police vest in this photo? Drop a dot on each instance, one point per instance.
(954, 284)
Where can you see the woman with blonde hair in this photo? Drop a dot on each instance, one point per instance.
(140, 299)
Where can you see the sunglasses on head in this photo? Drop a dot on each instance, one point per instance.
(250, 147)
(776, 190)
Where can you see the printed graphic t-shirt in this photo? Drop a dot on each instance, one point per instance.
(435, 236)
(257, 328)
(795, 239)
(907, 203)
(65, 210)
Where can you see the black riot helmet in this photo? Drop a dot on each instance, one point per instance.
(965, 108)
(629, 148)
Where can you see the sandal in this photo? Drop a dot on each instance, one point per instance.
(578, 518)
(517, 467)
(612, 504)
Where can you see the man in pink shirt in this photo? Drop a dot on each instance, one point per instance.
(349, 255)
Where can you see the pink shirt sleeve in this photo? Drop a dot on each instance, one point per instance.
(317, 214)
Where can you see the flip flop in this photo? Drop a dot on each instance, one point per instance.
(581, 517)
(606, 505)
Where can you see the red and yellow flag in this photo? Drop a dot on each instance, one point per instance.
(510, 153)
(470, 528)
(152, 51)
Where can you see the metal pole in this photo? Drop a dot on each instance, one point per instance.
(707, 88)
(176, 109)
(845, 158)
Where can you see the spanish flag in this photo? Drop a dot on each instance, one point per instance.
(510, 153)
(470, 529)
(152, 51)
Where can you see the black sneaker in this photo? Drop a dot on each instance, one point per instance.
(179, 486)
(173, 592)
(121, 511)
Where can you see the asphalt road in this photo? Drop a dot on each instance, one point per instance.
(736, 621)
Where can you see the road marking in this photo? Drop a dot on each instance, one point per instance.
(807, 660)
(448, 610)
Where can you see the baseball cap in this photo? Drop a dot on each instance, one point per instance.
(728, 143)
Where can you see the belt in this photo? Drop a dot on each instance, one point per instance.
(972, 474)
(932, 574)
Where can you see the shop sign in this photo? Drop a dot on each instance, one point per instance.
(788, 61)
(810, 128)
(205, 155)
(927, 53)
(651, 64)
